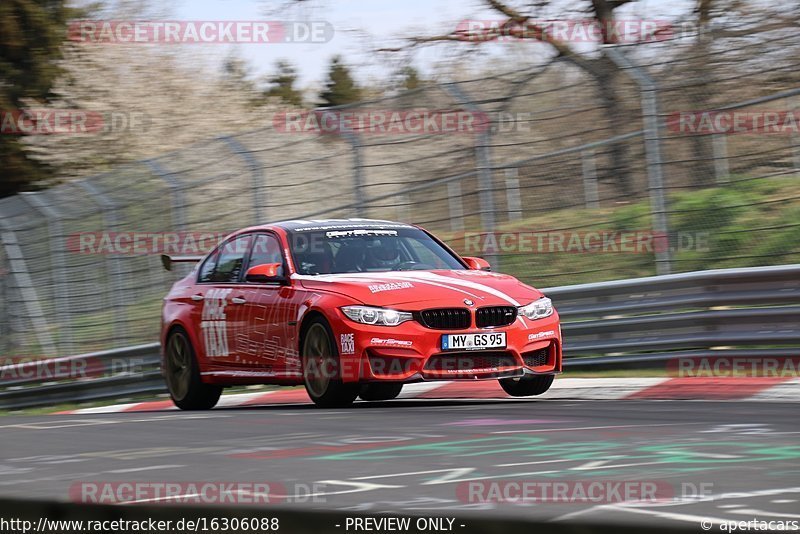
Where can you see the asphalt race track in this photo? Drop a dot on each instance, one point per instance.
(419, 456)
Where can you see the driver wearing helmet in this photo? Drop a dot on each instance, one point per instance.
(383, 254)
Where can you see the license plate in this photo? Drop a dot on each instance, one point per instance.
(496, 340)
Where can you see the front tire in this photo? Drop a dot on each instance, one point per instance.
(321, 368)
(380, 392)
(182, 375)
(527, 385)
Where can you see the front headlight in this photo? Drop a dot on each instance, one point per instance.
(376, 316)
(538, 309)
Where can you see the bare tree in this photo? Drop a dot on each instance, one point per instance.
(524, 26)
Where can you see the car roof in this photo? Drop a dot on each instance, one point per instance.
(303, 225)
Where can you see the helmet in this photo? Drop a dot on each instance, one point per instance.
(383, 252)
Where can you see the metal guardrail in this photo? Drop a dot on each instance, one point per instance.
(647, 322)
(636, 323)
(111, 374)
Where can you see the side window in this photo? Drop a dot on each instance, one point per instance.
(207, 269)
(230, 260)
(266, 249)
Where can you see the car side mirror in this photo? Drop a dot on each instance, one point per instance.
(266, 273)
(477, 264)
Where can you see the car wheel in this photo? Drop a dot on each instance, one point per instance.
(321, 368)
(182, 374)
(380, 392)
(527, 385)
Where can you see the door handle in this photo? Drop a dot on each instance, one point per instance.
(238, 300)
(197, 297)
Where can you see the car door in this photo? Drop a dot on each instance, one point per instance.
(221, 314)
(268, 311)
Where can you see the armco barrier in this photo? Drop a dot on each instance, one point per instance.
(289, 521)
(644, 322)
(637, 323)
(111, 374)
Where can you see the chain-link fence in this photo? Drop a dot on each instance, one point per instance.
(570, 172)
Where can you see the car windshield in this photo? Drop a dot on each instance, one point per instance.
(357, 250)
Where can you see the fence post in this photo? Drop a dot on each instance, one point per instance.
(61, 290)
(455, 206)
(113, 263)
(719, 144)
(176, 193)
(403, 213)
(513, 200)
(484, 168)
(256, 177)
(5, 318)
(652, 140)
(794, 140)
(590, 192)
(18, 270)
(178, 204)
(358, 173)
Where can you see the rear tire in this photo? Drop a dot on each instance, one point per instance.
(381, 391)
(321, 369)
(182, 375)
(527, 385)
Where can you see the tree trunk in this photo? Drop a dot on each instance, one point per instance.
(618, 171)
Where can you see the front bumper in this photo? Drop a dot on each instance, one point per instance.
(411, 352)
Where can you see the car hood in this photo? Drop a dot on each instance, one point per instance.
(414, 290)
